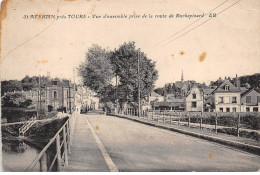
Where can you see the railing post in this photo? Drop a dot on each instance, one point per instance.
(65, 146)
(68, 133)
(58, 153)
(152, 114)
(216, 123)
(188, 120)
(163, 117)
(238, 124)
(170, 119)
(179, 118)
(200, 123)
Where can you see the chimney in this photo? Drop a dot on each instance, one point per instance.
(237, 82)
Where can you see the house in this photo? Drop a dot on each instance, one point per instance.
(60, 95)
(227, 97)
(194, 100)
(250, 101)
(155, 97)
(176, 105)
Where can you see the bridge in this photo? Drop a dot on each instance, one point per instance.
(97, 142)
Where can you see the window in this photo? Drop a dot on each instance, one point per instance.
(234, 99)
(54, 94)
(227, 109)
(220, 109)
(221, 100)
(194, 104)
(55, 82)
(255, 109)
(247, 109)
(67, 93)
(248, 99)
(227, 88)
(193, 96)
(258, 99)
(234, 109)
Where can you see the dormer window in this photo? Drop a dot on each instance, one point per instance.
(54, 82)
(227, 88)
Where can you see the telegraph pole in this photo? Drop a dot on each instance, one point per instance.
(138, 70)
(69, 98)
(40, 93)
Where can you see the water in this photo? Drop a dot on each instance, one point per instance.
(18, 155)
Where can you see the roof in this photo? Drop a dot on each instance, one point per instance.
(243, 89)
(193, 87)
(208, 91)
(221, 88)
(170, 104)
(154, 94)
(248, 91)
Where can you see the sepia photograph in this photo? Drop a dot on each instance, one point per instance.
(130, 86)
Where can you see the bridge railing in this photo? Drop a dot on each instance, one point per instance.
(216, 121)
(61, 145)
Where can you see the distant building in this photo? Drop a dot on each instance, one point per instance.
(250, 101)
(60, 95)
(155, 97)
(176, 105)
(227, 97)
(194, 100)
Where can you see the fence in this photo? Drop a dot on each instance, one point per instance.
(249, 121)
(60, 143)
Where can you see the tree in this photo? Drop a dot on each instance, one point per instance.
(125, 65)
(15, 100)
(159, 91)
(96, 71)
(10, 86)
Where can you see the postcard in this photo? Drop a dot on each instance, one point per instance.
(130, 86)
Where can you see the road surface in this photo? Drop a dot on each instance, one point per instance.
(101, 143)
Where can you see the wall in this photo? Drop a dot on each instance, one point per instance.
(198, 100)
(227, 101)
(253, 95)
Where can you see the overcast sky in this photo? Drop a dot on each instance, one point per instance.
(228, 44)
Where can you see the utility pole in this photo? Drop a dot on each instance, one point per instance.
(116, 111)
(69, 98)
(74, 87)
(40, 94)
(138, 70)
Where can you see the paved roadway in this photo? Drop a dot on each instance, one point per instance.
(101, 142)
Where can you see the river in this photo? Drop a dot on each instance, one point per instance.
(18, 155)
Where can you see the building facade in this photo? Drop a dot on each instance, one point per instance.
(194, 100)
(227, 98)
(250, 101)
(60, 95)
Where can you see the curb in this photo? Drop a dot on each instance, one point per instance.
(242, 146)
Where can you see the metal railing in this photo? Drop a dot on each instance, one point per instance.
(210, 120)
(62, 141)
(27, 125)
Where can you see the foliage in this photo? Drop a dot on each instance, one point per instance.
(125, 65)
(96, 71)
(15, 100)
(159, 91)
(10, 86)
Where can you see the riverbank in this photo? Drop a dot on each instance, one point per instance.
(39, 134)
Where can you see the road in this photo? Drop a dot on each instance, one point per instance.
(131, 146)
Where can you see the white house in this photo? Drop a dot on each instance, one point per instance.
(155, 97)
(194, 100)
(227, 98)
(250, 101)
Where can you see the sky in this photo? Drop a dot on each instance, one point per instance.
(225, 45)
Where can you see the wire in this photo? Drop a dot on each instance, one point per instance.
(197, 25)
(26, 41)
(190, 24)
